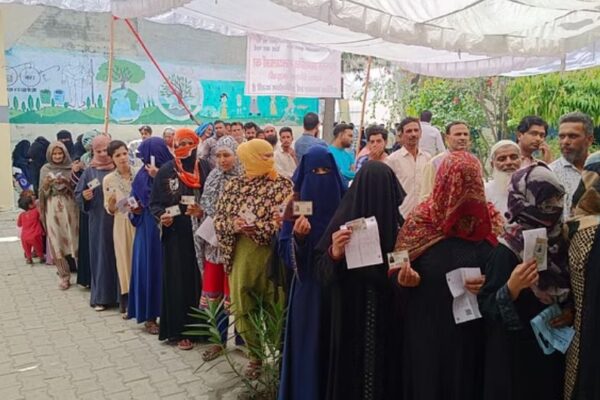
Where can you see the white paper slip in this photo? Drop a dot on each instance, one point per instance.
(93, 184)
(206, 231)
(363, 249)
(303, 208)
(153, 161)
(397, 259)
(173, 211)
(464, 306)
(247, 215)
(132, 202)
(535, 246)
(122, 205)
(187, 200)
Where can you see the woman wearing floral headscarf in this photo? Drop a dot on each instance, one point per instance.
(59, 212)
(515, 292)
(215, 283)
(90, 197)
(183, 176)
(454, 228)
(245, 225)
(583, 356)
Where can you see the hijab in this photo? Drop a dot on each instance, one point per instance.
(587, 197)
(457, 207)
(530, 191)
(250, 154)
(103, 162)
(78, 149)
(20, 159)
(141, 186)
(64, 168)
(65, 137)
(201, 130)
(375, 192)
(185, 158)
(37, 151)
(325, 191)
(86, 141)
(217, 178)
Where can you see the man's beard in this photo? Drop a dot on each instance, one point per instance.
(501, 179)
(574, 156)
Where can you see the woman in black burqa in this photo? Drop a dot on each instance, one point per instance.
(364, 343)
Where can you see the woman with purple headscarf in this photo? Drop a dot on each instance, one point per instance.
(146, 269)
(515, 292)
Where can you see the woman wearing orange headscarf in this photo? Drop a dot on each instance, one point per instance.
(245, 223)
(176, 193)
(453, 228)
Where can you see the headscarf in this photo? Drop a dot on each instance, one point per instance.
(250, 154)
(141, 186)
(456, 208)
(103, 162)
(587, 197)
(531, 187)
(65, 137)
(217, 178)
(375, 192)
(20, 158)
(324, 191)
(63, 168)
(78, 149)
(185, 158)
(86, 141)
(502, 143)
(37, 151)
(201, 130)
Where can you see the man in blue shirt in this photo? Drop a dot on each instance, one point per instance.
(309, 137)
(341, 150)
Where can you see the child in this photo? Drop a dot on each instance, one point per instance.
(32, 232)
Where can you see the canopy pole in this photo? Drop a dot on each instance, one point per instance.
(111, 50)
(364, 105)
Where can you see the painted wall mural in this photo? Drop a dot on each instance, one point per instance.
(47, 86)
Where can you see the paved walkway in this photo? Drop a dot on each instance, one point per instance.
(54, 346)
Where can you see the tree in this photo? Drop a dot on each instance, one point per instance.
(88, 102)
(123, 71)
(30, 103)
(100, 103)
(52, 103)
(182, 85)
(15, 103)
(23, 106)
(38, 104)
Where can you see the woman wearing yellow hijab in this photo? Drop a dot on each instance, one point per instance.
(251, 201)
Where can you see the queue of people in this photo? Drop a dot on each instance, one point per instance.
(382, 329)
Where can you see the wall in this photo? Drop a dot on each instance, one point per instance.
(57, 76)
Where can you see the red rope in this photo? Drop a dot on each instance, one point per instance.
(160, 71)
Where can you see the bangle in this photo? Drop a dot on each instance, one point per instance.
(330, 252)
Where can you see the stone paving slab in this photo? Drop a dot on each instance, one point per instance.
(53, 345)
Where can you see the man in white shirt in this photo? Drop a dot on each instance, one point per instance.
(575, 136)
(408, 163)
(285, 157)
(505, 157)
(431, 139)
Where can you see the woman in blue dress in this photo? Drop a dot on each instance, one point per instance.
(103, 265)
(317, 180)
(146, 268)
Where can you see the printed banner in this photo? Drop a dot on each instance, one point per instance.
(275, 67)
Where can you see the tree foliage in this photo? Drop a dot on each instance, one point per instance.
(182, 85)
(123, 71)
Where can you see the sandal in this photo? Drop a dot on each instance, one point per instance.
(185, 344)
(212, 353)
(99, 308)
(152, 327)
(64, 284)
(253, 370)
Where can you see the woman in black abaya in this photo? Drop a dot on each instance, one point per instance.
(363, 316)
(184, 176)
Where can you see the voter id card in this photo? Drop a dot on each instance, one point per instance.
(188, 200)
(173, 211)
(303, 208)
(397, 259)
(247, 215)
(93, 184)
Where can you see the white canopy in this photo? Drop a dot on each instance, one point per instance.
(448, 38)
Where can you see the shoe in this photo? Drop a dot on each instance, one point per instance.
(29, 261)
(99, 308)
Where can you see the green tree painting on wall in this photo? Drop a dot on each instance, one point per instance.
(15, 103)
(123, 71)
